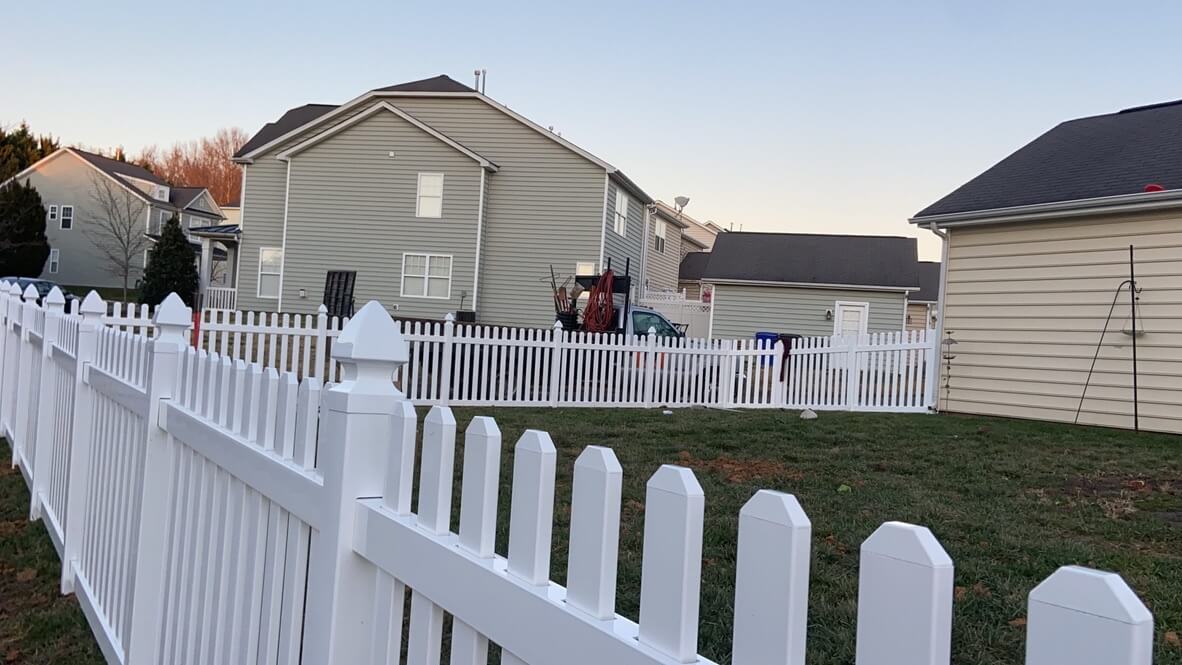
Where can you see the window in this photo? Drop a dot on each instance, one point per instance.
(642, 321)
(54, 261)
(270, 272)
(53, 213)
(659, 236)
(585, 268)
(430, 197)
(67, 217)
(621, 224)
(426, 276)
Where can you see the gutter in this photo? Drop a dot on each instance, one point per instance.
(809, 285)
(1137, 202)
(941, 306)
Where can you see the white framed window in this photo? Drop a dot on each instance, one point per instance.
(659, 236)
(426, 276)
(67, 218)
(55, 260)
(585, 268)
(53, 213)
(270, 272)
(429, 201)
(621, 220)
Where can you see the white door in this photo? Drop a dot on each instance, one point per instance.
(850, 318)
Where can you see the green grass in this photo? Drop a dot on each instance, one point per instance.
(1010, 500)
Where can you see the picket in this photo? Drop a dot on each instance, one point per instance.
(213, 510)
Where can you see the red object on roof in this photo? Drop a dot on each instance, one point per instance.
(1154, 187)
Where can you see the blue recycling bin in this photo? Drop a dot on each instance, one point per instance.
(765, 340)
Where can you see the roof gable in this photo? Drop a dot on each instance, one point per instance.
(1087, 158)
(802, 259)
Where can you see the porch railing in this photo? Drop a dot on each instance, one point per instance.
(218, 297)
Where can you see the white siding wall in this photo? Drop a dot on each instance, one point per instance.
(1027, 302)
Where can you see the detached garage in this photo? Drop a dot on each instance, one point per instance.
(807, 284)
(1035, 293)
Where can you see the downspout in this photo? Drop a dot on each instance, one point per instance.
(941, 307)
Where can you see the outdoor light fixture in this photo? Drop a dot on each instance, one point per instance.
(828, 315)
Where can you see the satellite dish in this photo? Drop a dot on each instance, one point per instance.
(681, 202)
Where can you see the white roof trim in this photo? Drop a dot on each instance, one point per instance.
(810, 285)
(1138, 201)
(383, 106)
(374, 94)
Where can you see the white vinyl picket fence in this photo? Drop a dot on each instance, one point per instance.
(212, 511)
(479, 365)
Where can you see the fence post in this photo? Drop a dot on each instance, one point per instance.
(81, 437)
(853, 376)
(1087, 617)
(172, 318)
(45, 408)
(357, 429)
(318, 370)
(556, 363)
(21, 420)
(445, 363)
(650, 367)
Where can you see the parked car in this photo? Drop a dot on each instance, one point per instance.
(43, 287)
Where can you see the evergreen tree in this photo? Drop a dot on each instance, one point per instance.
(172, 267)
(19, 148)
(23, 245)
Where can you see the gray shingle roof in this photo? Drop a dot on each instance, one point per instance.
(183, 196)
(115, 167)
(929, 282)
(693, 266)
(301, 115)
(802, 258)
(1104, 155)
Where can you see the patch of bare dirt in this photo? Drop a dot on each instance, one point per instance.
(741, 470)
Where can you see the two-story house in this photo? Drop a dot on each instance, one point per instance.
(72, 181)
(438, 198)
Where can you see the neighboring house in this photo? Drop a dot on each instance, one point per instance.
(923, 306)
(699, 236)
(439, 198)
(806, 284)
(690, 273)
(664, 247)
(233, 212)
(66, 180)
(1037, 253)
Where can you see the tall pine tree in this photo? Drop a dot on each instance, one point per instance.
(172, 267)
(23, 245)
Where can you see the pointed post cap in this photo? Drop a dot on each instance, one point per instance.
(600, 459)
(449, 318)
(30, 293)
(55, 300)
(440, 415)
(14, 289)
(322, 309)
(776, 508)
(172, 318)
(675, 480)
(483, 426)
(907, 542)
(535, 441)
(370, 348)
(93, 306)
(1092, 592)
(557, 324)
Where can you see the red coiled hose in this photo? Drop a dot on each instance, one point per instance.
(598, 315)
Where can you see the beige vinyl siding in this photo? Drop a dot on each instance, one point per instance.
(544, 206)
(663, 266)
(693, 290)
(702, 235)
(619, 249)
(67, 180)
(1027, 302)
(262, 226)
(743, 310)
(917, 316)
(353, 207)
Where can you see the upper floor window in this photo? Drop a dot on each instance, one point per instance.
(583, 268)
(67, 217)
(430, 197)
(53, 213)
(621, 220)
(659, 236)
(426, 275)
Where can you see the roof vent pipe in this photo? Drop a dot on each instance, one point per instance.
(476, 73)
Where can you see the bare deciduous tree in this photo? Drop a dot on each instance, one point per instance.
(202, 163)
(117, 227)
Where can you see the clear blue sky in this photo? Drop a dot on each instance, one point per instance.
(779, 116)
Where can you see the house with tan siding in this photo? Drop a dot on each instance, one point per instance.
(806, 284)
(923, 306)
(1038, 262)
(438, 198)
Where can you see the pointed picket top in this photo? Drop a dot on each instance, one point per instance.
(594, 533)
(14, 289)
(55, 299)
(777, 508)
(557, 325)
(675, 480)
(30, 293)
(907, 542)
(437, 469)
(481, 482)
(322, 309)
(1093, 592)
(531, 510)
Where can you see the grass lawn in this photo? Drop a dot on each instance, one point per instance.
(1010, 500)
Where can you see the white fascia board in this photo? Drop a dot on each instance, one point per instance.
(810, 285)
(1137, 202)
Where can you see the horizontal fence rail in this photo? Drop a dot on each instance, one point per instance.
(212, 510)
